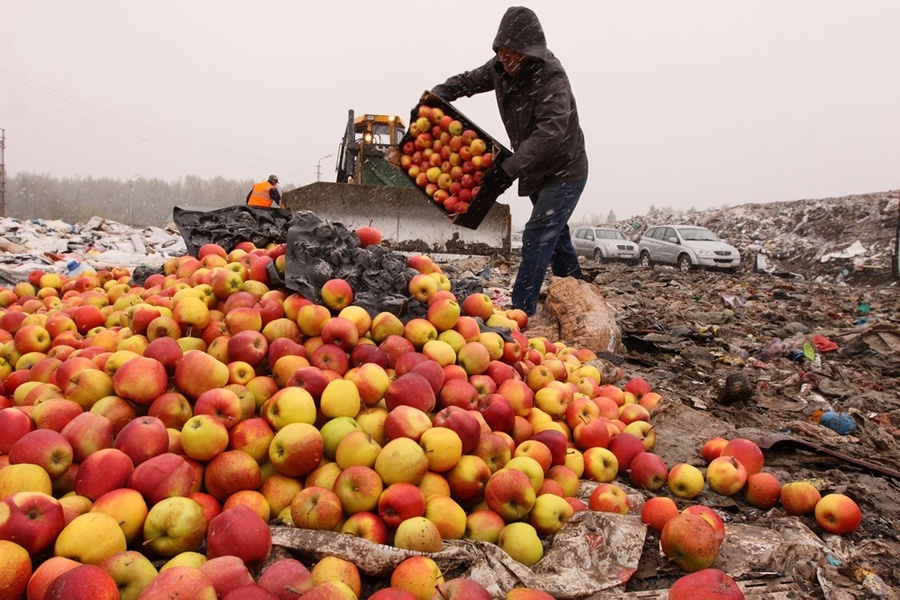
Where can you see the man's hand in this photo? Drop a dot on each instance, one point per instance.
(496, 178)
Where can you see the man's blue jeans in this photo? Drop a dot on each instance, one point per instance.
(546, 241)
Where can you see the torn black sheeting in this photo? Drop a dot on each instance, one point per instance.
(317, 250)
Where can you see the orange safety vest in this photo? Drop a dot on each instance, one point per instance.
(259, 195)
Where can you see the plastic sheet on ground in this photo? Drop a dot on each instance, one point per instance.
(854, 249)
(593, 552)
(883, 339)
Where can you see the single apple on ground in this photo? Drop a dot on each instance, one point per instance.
(726, 475)
(838, 513)
(608, 497)
(763, 490)
(706, 583)
(799, 497)
(657, 511)
(690, 542)
(746, 451)
(685, 481)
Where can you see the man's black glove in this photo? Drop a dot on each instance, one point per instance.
(441, 91)
(496, 178)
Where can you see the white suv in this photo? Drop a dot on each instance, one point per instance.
(603, 243)
(687, 246)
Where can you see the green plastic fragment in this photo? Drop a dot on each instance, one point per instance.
(809, 351)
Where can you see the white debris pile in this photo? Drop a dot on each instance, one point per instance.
(830, 239)
(100, 243)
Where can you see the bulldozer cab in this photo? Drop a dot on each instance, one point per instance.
(363, 157)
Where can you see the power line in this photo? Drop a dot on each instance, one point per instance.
(125, 133)
(103, 111)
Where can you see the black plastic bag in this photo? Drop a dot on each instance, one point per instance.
(230, 225)
(316, 251)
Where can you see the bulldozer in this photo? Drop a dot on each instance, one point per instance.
(364, 154)
(370, 189)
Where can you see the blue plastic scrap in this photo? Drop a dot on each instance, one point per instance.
(841, 423)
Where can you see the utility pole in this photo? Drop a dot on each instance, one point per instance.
(131, 198)
(2, 172)
(319, 166)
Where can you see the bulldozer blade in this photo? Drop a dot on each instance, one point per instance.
(408, 223)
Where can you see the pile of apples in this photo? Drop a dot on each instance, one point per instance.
(140, 424)
(445, 158)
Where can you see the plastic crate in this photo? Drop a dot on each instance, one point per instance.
(487, 196)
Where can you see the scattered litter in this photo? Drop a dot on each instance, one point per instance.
(854, 249)
(823, 344)
(500, 296)
(74, 268)
(875, 585)
(841, 423)
(732, 301)
(809, 352)
(98, 244)
(773, 349)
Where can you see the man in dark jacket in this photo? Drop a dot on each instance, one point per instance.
(538, 110)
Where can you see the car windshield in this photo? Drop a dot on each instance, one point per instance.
(697, 234)
(606, 234)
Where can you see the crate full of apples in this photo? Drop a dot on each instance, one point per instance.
(447, 156)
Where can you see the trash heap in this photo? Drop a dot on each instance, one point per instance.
(848, 239)
(100, 243)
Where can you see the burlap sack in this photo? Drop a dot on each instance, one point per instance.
(585, 319)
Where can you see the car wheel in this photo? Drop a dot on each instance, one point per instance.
(645, 259)
(684, 263)
(598, 255)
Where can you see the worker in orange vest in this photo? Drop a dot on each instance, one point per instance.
(265, 193)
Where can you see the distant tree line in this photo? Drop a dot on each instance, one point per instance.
(594, 219)
(139, 202)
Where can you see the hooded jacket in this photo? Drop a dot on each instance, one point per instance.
(537, 106)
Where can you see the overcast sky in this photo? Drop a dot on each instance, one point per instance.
(683, 103)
